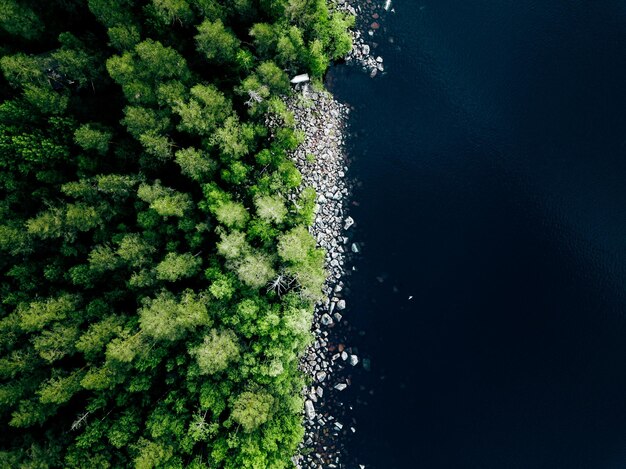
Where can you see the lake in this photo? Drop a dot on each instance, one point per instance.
(491, 169)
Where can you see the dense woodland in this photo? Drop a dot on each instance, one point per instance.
(156, 284)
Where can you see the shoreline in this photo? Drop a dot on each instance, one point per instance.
(322, 161)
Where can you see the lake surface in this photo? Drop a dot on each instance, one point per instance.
(491, 162)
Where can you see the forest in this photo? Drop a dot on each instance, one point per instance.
(157, 285)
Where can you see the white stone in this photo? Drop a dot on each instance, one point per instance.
(309, 409)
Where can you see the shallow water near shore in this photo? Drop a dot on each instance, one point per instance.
(491, 162)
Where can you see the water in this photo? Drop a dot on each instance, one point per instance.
(492, 168)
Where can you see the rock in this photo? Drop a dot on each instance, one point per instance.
(341, 305)
(366, 364)
(354, 360)
(338, 426)
(375, 25)
(379, 59)
(344, 355)
(321, 376)
(341, 386)
(355, 248)
(326, 319)
(348, 223)
(337, 317)
(365, 49)
(309, 410)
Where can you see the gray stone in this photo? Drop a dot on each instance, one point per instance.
(309, 409)
(341, 305)
(326, 319)
(354, 360)
(340, 386)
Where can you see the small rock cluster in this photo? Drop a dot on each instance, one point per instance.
(361, 55)
(362, 52)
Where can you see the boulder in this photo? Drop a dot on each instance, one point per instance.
(309, 410)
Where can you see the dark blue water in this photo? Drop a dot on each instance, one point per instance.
(492, 163)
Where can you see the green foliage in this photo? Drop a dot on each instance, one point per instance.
(217, 43)
(232, 215)
(271, 208)
(232, 245)
(18, 19)
(273, 77)
(195, 164)
(165, 201)
(204, 111)
(144, 212)
(255, 270)
(218, 350)
(167, 318)
(177, 266)
(90, 138)
(124, 37)
(170, 12)
(306, 263)
(252, 409)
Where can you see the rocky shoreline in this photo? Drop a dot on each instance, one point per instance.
(321, 160)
